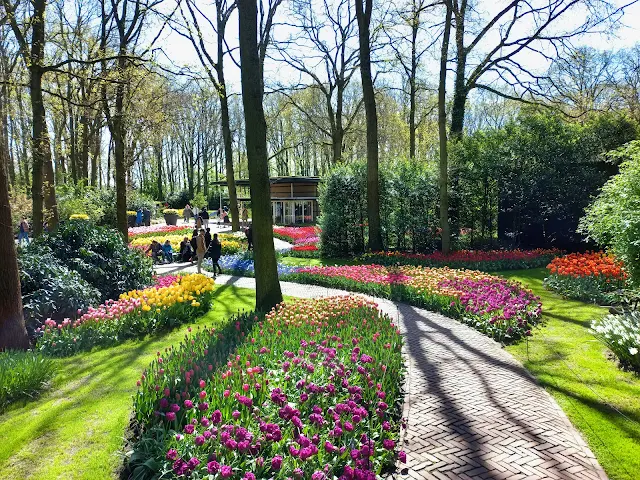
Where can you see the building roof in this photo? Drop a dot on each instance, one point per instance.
(274, 180)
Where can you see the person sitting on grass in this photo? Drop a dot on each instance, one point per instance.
(167, 251)
(186, 252)
(156, 251)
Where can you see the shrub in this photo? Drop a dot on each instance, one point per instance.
(179, 199)
(155, 230)
(591, 277)
(22, 375)
(99, 255)
(79, 216)
(500, 309)
(621, 334)
(50, 289)
(613, 219)
(343, 211)
(486, 261)
(284, 403)
(134, 315)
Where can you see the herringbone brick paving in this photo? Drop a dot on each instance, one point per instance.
(472, 411)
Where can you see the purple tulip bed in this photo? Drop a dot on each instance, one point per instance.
(312, 390)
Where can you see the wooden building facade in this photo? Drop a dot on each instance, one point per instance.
(294, 200)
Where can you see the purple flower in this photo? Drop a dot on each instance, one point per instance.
(188, 404)
(388, 444)
(226, 471)
(171, 416)
(213, 467)
(172, 454)
(402, 456)
(276, 462)
(188, 429)
(200, 440)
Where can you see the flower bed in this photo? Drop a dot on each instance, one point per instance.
(298, 235)
(305, 239)
(486, 261)
(134, 314)
(154, 230)
(621, 334)
(230, 243)
(592, 277)
(313, 392)
(242, 265)
(499, 308)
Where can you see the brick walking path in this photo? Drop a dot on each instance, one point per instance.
(473, 412)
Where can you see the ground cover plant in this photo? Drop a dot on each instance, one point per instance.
(313, 392)
(22, 375)
(568, 361)
(486, 261)
(98, 254)
(498, 308)
(134, 315)
(75, 428)
(50, 289)
(621, 334)
(592, 277)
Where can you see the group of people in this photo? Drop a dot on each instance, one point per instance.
(201, 216)
(201, 245)
(143, 217)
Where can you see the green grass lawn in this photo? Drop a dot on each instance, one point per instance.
(76, 430)
(602, 401)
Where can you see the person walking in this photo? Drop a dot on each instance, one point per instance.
(245, 216)
(24, 231)
(139, 218)
(207, 238)
(201, 249)
(215, 250)
(249, 233)
(204, 215)
(186, 213)
(198, 222)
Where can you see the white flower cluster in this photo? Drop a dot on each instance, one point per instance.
(621, 333)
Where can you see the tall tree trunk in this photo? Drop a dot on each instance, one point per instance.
(158, 149)
(412, 89)
(226, 132)
(95, 157)
(84, 152)
(443, 181)
(49, 184)
(268, 292)
(460, 91)
(363, 14)
(40, 140)
(13, 334)
(119, 153)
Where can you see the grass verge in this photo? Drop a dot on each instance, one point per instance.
(76, 430)
(602, 401)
